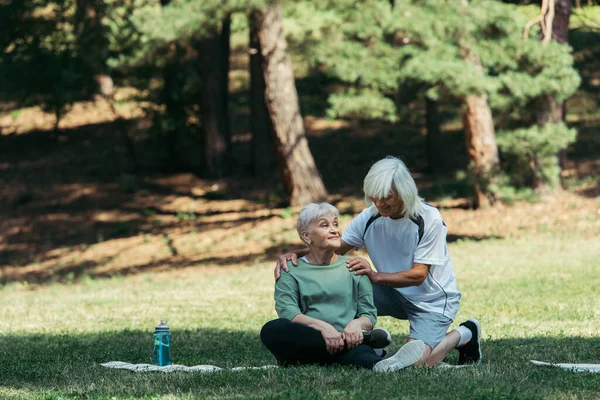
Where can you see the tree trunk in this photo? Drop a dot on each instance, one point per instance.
(93, 49)
(174, 106)
(560, 24)
(560, 33)
(552, 111)
(92, 43)
(435, 151)
(260, 125)
(482, 150)
(211, 104)
(224, 80)
(299, 173)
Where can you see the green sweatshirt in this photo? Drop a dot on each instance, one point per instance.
(330, 293)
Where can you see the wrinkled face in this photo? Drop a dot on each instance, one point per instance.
(390, 206)
(324, 233)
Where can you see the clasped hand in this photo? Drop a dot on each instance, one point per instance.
(351, 337)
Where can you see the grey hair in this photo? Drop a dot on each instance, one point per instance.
(310, 213)
(388, 175)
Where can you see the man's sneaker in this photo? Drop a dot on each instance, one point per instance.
(408, 354)
(470, 353)
(378, 338)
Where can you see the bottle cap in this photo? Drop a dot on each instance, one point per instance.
(162, 326)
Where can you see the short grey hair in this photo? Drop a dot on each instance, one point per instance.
(390, 174)
(310, 213)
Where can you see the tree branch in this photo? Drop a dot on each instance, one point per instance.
(545, 20)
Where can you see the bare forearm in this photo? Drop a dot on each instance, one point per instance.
(312, 322)
(411, 277)
(334, 340)
(344, 248)
(365, 323)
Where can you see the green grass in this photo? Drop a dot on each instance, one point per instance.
(537, 297)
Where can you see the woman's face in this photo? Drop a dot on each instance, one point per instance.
(391, 206)
(324, 233)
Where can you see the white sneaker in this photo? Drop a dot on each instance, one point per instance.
(408, 354)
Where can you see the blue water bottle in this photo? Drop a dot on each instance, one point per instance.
(162, 344)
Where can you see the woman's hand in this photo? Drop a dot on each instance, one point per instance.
(353, 333)
(360, 266)
(333, 339)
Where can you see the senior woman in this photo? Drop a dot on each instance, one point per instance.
(326, 313)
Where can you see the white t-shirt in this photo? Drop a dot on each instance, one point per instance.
(393, 246)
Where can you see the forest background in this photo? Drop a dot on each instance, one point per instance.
(147, 141)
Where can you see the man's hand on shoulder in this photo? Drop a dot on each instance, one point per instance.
(282, 263)
(361, 266)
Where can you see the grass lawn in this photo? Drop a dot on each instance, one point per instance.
(107, 254)
(537, 297)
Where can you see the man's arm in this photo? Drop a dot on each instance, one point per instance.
(293, 257)
(344, 248)
(412, 277)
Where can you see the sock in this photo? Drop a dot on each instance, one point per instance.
(465, 335)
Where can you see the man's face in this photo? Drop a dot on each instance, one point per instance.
(390, 206)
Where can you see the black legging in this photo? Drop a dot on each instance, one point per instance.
(296, 344)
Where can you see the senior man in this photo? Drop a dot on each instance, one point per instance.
(406, 240)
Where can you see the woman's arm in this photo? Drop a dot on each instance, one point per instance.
(366, 313)
(333, 339)
(352, 334)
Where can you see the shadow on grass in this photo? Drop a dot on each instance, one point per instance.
(70, 363)
(80, 191)
(68, 366)
(71, 272)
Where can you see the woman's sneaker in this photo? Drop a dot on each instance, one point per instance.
(408, 354)
(470, 353)
(378, 338)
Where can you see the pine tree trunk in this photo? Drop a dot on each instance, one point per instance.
(174, 107)
(263, 148)
(299, 173)
(553, 111)
(93, 49)
(560, 33)
(211, 106)
(482, 150)
(435, 151)
(560, 24)
(92, 42)
(224, 80)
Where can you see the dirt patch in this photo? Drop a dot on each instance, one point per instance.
(72, 208)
